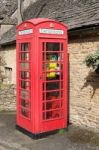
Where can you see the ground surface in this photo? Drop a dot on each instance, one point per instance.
(73, 139)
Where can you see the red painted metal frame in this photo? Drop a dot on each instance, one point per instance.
(36, 123)
(57, 123)
(22, 120)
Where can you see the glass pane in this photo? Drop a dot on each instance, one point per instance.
(43, 86)
(52, 46)
(43, 56)
(44, 115)
(52, 95)
(25, 75)
(61, 66)
(25, 84)
(61, 56)
(61, 85)
(53, 75)
(54, 56)
(24, 65)
(25, 112)
(24, 46)
(52, 86)
(53, 63)
(61, 46)
(43, 46)
(44, 66)
(53, 105)
(43, 106)
(61, 94)
(24, 56)
(61, 75)
(43, 96)
(53, 114)
(25, 94)
(24, 103)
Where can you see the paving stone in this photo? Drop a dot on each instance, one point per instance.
(75, 138)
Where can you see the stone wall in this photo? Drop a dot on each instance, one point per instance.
(9, 55)
(83, 84)
(7, 98)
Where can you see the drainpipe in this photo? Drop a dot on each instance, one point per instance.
(20, 11)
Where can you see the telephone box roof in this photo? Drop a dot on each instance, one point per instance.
(41, 20)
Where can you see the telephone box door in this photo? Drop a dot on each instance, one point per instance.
(53, 96)
(24, 96)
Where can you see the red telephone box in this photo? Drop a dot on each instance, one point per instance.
(41, 76)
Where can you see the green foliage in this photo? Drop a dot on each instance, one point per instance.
(92, 60)
(61, 131)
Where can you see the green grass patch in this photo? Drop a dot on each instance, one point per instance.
(61, 131)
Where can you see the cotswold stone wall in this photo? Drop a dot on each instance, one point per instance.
(7, 98)
(8, 53)
(83, 84)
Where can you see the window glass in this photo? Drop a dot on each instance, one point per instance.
(24, 56)
(25, 84)
(25, 75)
(52, 46)
(24, 46)
(24, 65)
(8, 73)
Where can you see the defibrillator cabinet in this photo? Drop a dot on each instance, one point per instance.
(42, 71)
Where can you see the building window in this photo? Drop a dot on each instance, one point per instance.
(8, 73)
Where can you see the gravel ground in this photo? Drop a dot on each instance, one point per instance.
(74, 138)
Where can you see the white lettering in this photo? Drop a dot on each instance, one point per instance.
(28, 31)
(51, 31)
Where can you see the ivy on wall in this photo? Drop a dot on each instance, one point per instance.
(92, 60)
